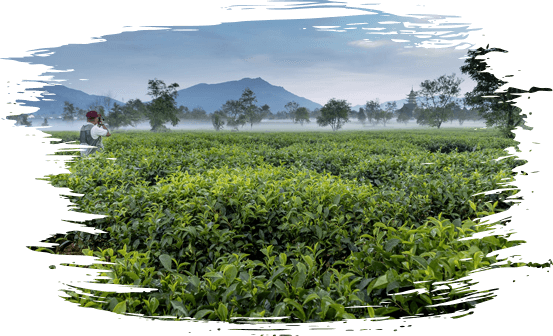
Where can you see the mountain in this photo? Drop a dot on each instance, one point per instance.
(208, 96)
(54, 97)
(212, 96)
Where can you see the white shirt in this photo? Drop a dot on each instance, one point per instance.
(97, 131)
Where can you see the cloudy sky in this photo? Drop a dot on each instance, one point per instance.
(357, 57)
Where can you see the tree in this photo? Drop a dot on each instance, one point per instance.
(403, 115)
(403, 118)
(184, 112)
(45, 123)
(297, 113)
(372, 111)
(69, 112)
(116, 118)
(233, 112)
(134, 112)
(266, 111)
(20, 120)
(126, 115)
(315, 113)
(361, 116)
(217, 119)
(388, 112)
(163, 107)
(334, 113)
(437, 100)
(250, 111)
(496, 108)
(198, 113)
(102, 104)
(291, 108)
(301, 115)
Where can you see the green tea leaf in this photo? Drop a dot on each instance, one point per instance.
(166, 261)
(222, 312)
(120, 308)
(179, 306)
(203, 313)
(390, 244)
(230, 273)
(299, 310)
(381, 281)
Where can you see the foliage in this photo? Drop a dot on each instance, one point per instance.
(217, 119)
(69, 112)
(226, 225)
(373, 111)
(403, 115)
(361, 116)
(388, 112)
(496, 108)
(334, 113)
(297, 113)
(162, 108)
(251, 112)
(437, 100)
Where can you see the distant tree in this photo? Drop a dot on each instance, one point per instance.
(266, 111)
(45, 123)
(135, 112)
(232, 110)
(418, 114)
(217, 119)
(116, 118)
(437, 100)
(291, 108)
(251, 112)
(389, 112)
(184, 112)
(373, 111)
(80, 113)
(301, 115)
(403, 115)
(297, 113)
(20, 120)
(403, 118)
(198, 113)
(102, 104)
(163, 107)
(334, 113)
(462, 115)
(315, 113)
(69, 112)
(361, 116)
(125, 115)
(280, 115)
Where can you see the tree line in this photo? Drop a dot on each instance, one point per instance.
(439, 102)
(235, 114)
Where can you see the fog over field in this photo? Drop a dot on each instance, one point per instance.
(265, 125)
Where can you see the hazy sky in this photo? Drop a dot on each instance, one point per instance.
(357, 58)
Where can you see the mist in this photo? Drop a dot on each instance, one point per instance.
(264, 126)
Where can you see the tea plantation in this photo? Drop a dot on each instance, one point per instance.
(303, 225)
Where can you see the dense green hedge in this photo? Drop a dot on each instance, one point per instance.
(302, 224)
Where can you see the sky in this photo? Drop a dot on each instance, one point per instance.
(356, 57)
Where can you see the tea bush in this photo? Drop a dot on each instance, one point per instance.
(306, 225)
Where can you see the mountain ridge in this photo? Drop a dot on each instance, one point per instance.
(210, 97)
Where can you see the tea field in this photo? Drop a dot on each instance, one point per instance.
(308, 226)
